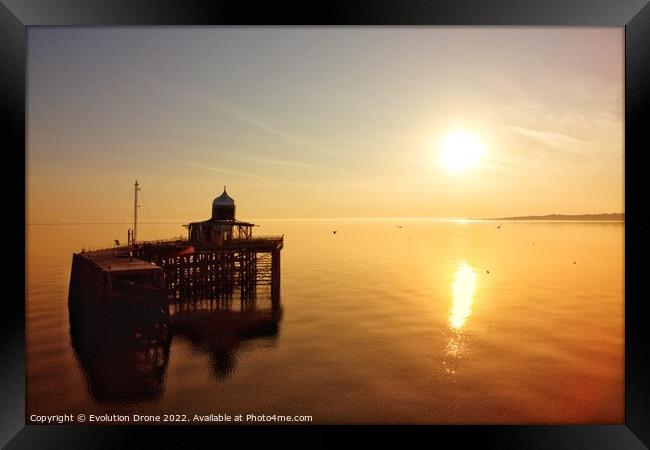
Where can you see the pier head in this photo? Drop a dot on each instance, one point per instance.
(219, 261)
(221, 257)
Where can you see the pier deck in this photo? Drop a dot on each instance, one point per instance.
(115, 264)
(189, 271)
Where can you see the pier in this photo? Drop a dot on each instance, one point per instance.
(219, 261)
(126, 302)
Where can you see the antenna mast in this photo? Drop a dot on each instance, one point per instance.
(134, 237)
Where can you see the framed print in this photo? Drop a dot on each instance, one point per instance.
(358, 216)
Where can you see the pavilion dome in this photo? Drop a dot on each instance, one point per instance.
(223, 207)
(223, 200)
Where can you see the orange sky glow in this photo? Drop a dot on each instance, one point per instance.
(324, 122)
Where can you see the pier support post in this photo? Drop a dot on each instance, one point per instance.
(275, 278)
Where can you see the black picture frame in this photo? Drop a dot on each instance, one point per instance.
(634, 15)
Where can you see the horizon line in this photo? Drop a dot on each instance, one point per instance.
(316, 219)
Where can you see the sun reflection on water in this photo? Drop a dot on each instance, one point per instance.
(463, 296)
(463, 290)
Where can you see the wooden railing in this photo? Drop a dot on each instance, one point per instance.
(107, 252)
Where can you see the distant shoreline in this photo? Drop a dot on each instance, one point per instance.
(612, 217)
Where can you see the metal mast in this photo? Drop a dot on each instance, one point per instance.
(134, 239)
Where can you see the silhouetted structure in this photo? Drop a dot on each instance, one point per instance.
(222, 226)
(221, 255)
(124, 301)
(219, 259)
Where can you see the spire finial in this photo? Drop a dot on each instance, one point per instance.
(224, 188)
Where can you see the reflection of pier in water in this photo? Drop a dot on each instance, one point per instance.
(220, 331)
(123, 352)
(124, 349)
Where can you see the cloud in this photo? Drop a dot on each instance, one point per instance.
(556, 140)
(232, 112)
(244, 173)
(292, 164)
(256, 123)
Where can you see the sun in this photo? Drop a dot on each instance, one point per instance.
(460, 151)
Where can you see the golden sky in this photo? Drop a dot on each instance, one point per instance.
(324, 122)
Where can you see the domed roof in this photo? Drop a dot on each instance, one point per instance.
(223, 200)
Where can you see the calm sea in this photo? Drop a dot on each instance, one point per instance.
(433, 322)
